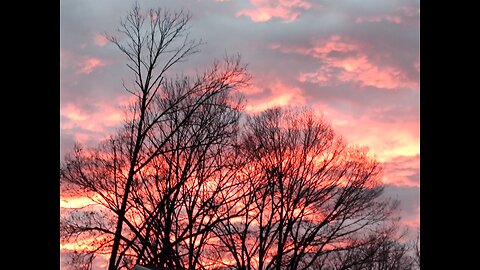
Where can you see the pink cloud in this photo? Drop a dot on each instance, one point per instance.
(356, 67)
(402, 171)
(385, 140)
(265, 10)
(104, 115)
(417, 65)
(81, 63)
(72, 112)
(93, 125)
(361, 69)
(281, 95)
(90, 64)
(99, 39)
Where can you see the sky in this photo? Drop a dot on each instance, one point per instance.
(356, 61)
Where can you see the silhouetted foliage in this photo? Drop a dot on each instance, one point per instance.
(187, 184)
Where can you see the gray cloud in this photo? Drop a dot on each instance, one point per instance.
(409, 198)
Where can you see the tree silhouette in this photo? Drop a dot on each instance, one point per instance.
(158, 181)
(311, 193)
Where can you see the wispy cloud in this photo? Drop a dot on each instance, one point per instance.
(386, 138)
(87, 125)
(272, 94)
(344, 60)
(81, 64)
(90, 64)
(402, 171)
(381, 18)
(266, 10)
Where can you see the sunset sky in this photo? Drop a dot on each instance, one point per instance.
(357, 61)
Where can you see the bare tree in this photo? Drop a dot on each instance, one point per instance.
(311, 193)
(384, 249)
(157, 186)
(416, 249)
(190, 183)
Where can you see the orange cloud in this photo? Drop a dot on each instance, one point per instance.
(73, 112)
(356, 67)
(265, 10)
(281, 95)
(361, 69)
(385, 139)
(81, 244)
(78, 202)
